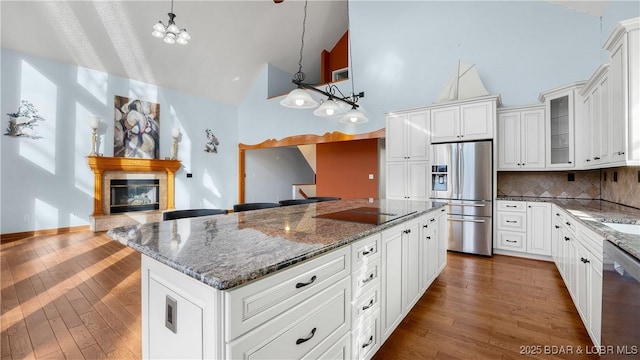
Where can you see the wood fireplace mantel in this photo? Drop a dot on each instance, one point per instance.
(100, 164)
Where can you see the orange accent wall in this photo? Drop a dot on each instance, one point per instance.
(343, 169)
(336, 59)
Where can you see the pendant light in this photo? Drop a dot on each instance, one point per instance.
(335, 105)
(299, 98)
(171, 33)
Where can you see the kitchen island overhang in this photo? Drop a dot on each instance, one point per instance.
(221, 271)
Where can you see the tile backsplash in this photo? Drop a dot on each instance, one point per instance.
(625, 191)
(550, 184)
(587, 184)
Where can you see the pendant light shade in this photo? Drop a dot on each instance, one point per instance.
(354, 116)
(299, 99)
(328, 108)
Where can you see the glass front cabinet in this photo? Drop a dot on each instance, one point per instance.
(563, 117)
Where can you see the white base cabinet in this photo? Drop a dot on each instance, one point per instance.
(525, 228)
(350, 301)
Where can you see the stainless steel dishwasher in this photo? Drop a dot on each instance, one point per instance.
(620, 304)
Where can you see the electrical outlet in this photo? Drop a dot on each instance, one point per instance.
(189, 175)
(615, 176)
(370, 176)
(638, 175)
(571, 177)
(605, 176)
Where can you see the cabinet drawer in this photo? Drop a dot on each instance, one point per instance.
(591, 241)
(319, 322)
(366, 278)
(341, 350)
(366, 337)
(253, 304)
(566, 220)
(365, 304)
(364, 251)
(513, 241)
(512, 206)
(512, 221)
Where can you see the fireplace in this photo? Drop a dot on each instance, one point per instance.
(134, 195)
(117, 182)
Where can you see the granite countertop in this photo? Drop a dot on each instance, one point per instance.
(593, 213)
(225, 251)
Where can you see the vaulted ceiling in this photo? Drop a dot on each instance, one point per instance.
(231, 40)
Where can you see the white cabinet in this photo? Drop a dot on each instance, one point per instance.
(407, 155)
(596, 119)
(464, 120)
(521, 138)
(443, 238)
(408, 180)
(577, 252)
(539, 228)
(391, 287)
(562, 110)
(524, 227)
(624, 48)
(407, 136)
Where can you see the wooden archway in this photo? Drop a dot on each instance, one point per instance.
(308, 139)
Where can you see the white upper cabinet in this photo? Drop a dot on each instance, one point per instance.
(464, 120)
(562, 112)
(596, 123)
(624, 77)
(407, 136)
(521, 138)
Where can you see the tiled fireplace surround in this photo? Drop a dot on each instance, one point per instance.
(588, 184)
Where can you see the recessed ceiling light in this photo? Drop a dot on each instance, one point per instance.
(236, 78)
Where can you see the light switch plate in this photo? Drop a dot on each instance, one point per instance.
(370, 176)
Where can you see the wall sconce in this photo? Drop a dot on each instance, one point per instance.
(175, 134)
(94, 124)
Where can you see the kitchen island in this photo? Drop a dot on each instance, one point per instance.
(329, 279)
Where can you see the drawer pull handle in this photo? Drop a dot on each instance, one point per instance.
(432, 220)
(511, 241)
(566, 238)
(406, 231)
(512, 206)
(428, 237)
(368, 342)
(511, 221)
(299, 285)
(367, 252)
(557, 227)
(620, 152)
(557, 214)
(586, 261)
(303, 340)
(425, 226)
(368, 306)
(368, 278)
(441, 210)
(568, 223)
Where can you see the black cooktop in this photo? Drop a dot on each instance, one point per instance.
(368, 215)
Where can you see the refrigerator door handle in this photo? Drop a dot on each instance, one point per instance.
(466, 220)
(475, 205)
(460, 169)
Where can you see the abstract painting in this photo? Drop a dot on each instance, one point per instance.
(137, 128)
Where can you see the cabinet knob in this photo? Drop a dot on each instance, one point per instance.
(557, 227)
(596, 158)
(588, 160)
(620, 152)
(569, 162)
(566, 238)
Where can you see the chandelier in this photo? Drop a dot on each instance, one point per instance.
(336, 103)
(170, 33)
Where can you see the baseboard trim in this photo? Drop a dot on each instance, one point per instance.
(6, 238)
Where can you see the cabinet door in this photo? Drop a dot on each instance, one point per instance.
(443, 239)
(509, 141)
(411, 265)
(618, 86)
(391, 285)
(477, 120)
(581, 286)
(586, 130)
(445, 124)
(395, 138)
(594, 126)
(396, 180)
(539, 228)
(595, 300)
(168, 309)
(418, 177)
(560, 138)
(532, 139)
(604, 122)
(417, 130)
(429, 249)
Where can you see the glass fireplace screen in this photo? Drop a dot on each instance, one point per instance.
(134, 195)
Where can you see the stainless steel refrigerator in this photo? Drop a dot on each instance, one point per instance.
(462, 175)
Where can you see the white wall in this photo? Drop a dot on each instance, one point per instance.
(46, 183)
(271, 172)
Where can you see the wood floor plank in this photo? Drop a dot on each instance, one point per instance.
(68, 346)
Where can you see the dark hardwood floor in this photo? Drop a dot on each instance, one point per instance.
(77, 296)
